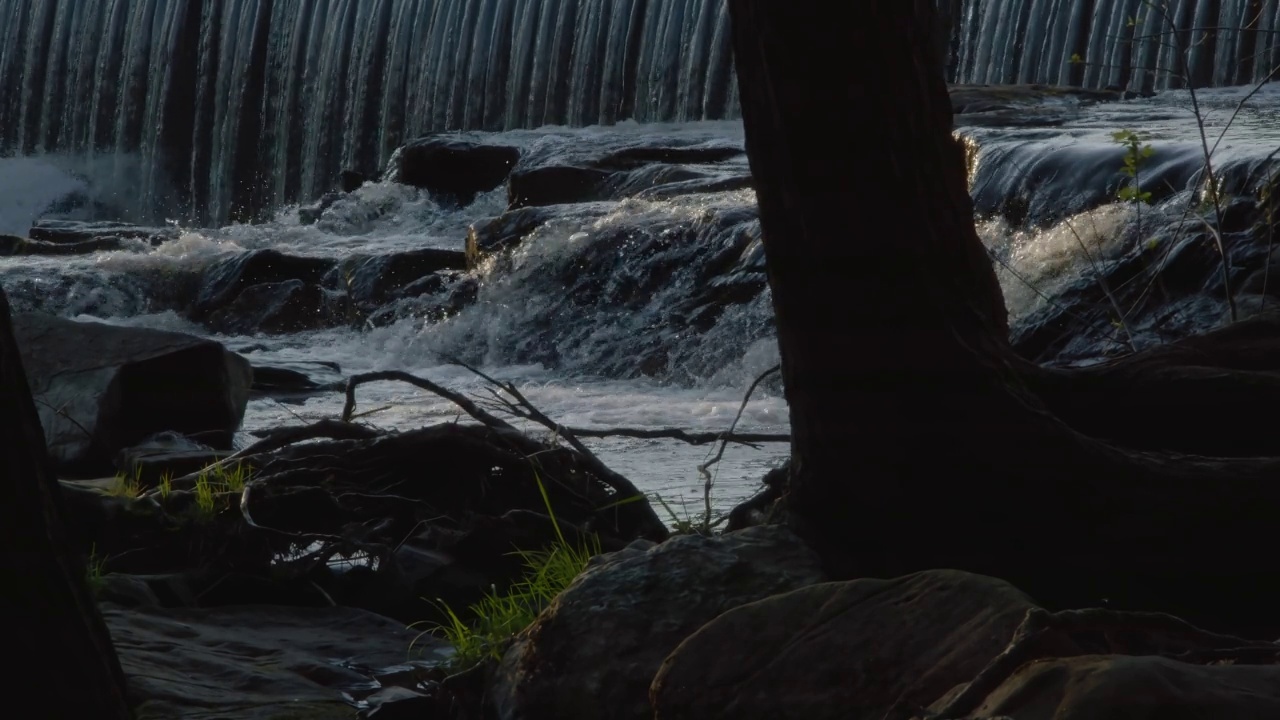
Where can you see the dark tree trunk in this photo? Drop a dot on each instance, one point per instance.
(61, 658)
(919, 438)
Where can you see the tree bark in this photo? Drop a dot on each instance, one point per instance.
(63, 659)
(919, 439)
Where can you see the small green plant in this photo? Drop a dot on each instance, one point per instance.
(127, 486)
(217, 487)
(1137, 152)
(682, 525)
(499, 616)
(206, 499)
(166, 484)
(95, 569)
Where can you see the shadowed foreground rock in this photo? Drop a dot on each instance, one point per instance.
(1119, 687)
(858, 650)
(593, 654)
(100, 388)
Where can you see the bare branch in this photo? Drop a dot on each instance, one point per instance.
(468, 406)
(704, 469)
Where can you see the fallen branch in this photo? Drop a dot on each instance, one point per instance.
(692, 438)
(468, 406)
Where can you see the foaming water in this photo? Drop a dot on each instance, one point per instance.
(28, 188)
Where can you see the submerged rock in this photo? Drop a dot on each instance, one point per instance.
(874, 649)
(100, 388)
(593, 653)
(253, 662)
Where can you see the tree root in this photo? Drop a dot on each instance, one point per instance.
(1196, 396)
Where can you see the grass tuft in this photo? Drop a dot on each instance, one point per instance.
(499, 616)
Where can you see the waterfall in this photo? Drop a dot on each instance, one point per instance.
(1140, 45)
(212, 110)
(234, 106)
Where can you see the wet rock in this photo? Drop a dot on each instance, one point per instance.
(76, 231)
(133, 383)
(165, 454)
(875, 649)
(11, 245)
(350, 181)
(223, 283)
(397, 703)
(557, 174)
(309, 214)
(967, 99)
(593, 653)
(510, 228)
(556, 185)
(280, 307)
(281, 378)
(456, 167)
(255, 662)
(373, 280)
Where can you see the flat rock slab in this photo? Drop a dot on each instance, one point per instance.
(253, 662)
(857, 650)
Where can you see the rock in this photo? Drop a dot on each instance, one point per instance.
(279, 307)
(165, 453)
(125, 591)
(593, 653)
(350, 181)
(101, 388)
(456, 167)
(77, 231)
(252, 662)
(10, 245)
(872, 648)
(575, 168)
(369, 281)
(1119, 687)
(225, 281)
(397, 703)
(491, 235)
(309, 214)
(555, 185)
(281, 378)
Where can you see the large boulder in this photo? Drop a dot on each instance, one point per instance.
(862, 649)
(593, 653)
(100, 388)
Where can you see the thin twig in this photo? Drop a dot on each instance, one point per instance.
(62, 413)
(1106, 289)
(704, 469)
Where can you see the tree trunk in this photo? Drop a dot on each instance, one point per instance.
(63, 661)
(919, 439)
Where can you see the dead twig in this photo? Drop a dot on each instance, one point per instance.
(705, 468)
(466, 404)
